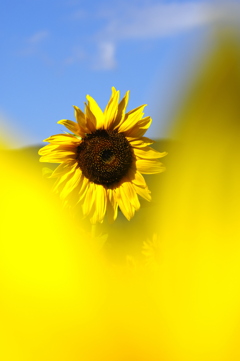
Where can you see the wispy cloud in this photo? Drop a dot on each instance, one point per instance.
(32, 44)
(158, 20)
(105, 58)
(148, 21)
(154, 21)
(38, 37)
(104, 28)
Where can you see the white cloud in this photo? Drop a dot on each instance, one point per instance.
(105, 59)
(151, 20)
(158, 20)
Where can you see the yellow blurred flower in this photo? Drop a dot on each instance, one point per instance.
(151, 250)
(103, 160)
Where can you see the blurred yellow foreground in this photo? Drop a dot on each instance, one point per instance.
(177, 296)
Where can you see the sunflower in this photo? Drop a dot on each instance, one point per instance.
(103, 158)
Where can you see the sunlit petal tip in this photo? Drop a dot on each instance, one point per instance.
(97, 114)
(163, 154)
(61, 121)
(90, 118)
(70, 125)
(77, 109)
(140, 142)
(111, 110)
(147, 153)
(162, 169)
(143, 192)
(81, 120)
(89, 99)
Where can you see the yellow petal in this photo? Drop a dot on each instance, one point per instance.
(114, 91)
(89, 199)
(111, 109)
(140, 128)
(63, 139)
(83, 186)
(143, 192)
(72, 198)
(137, 178)
(131, 119)
(69, 124)
(58, 157)
(101, 200)
(149, 167)
(80, 118)
(54, 149)
(148, 153)
(112, 206)
(90, 119)
(99, 206)
(96, 111)
(123, 200)
(129, 189)
(140, 142)
(65, 177)
(71, 183)
(61, 169)
(57, 154)
(135, 201)
(47, 149)
(119, 201)
(121, 110)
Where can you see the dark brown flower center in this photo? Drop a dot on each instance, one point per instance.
(105, 157)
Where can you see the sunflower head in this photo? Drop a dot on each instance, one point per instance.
(103, 159)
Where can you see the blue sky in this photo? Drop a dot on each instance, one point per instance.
(53, 53)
